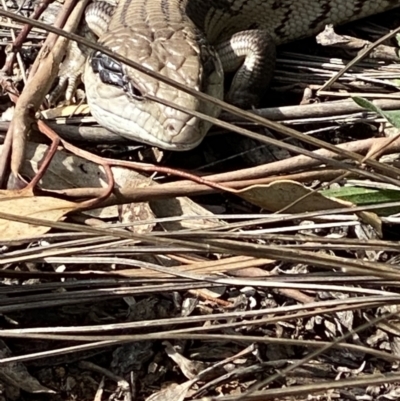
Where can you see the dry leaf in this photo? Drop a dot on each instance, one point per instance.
(23, 203)
(189, 368)
(280, 194)
(66, 111)
(374, 220)
(71, 171)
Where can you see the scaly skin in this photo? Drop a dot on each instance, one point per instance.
(178, 38)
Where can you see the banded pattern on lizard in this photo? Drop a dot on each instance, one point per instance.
(194, 42)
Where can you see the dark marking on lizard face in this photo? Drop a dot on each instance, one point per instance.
(111, 73)
(208, 67)
(207, 56)
(100, 61)
(124, 13)
(165, 9)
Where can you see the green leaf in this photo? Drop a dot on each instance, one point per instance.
(392, 116)
(366, 196)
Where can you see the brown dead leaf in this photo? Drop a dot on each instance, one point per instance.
(374, 220)
(23, 203)
(71, 171)
(189, 368)
(281, 194)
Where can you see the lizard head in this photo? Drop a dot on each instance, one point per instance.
(118, 94)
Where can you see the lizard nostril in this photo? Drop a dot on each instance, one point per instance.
(171, 128)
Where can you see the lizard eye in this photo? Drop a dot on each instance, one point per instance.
(111, 73)
(101, 61)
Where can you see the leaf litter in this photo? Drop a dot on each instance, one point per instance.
(282, 283)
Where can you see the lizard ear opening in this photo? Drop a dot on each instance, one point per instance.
(133, 91)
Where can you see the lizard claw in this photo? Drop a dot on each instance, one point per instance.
(70, 75)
